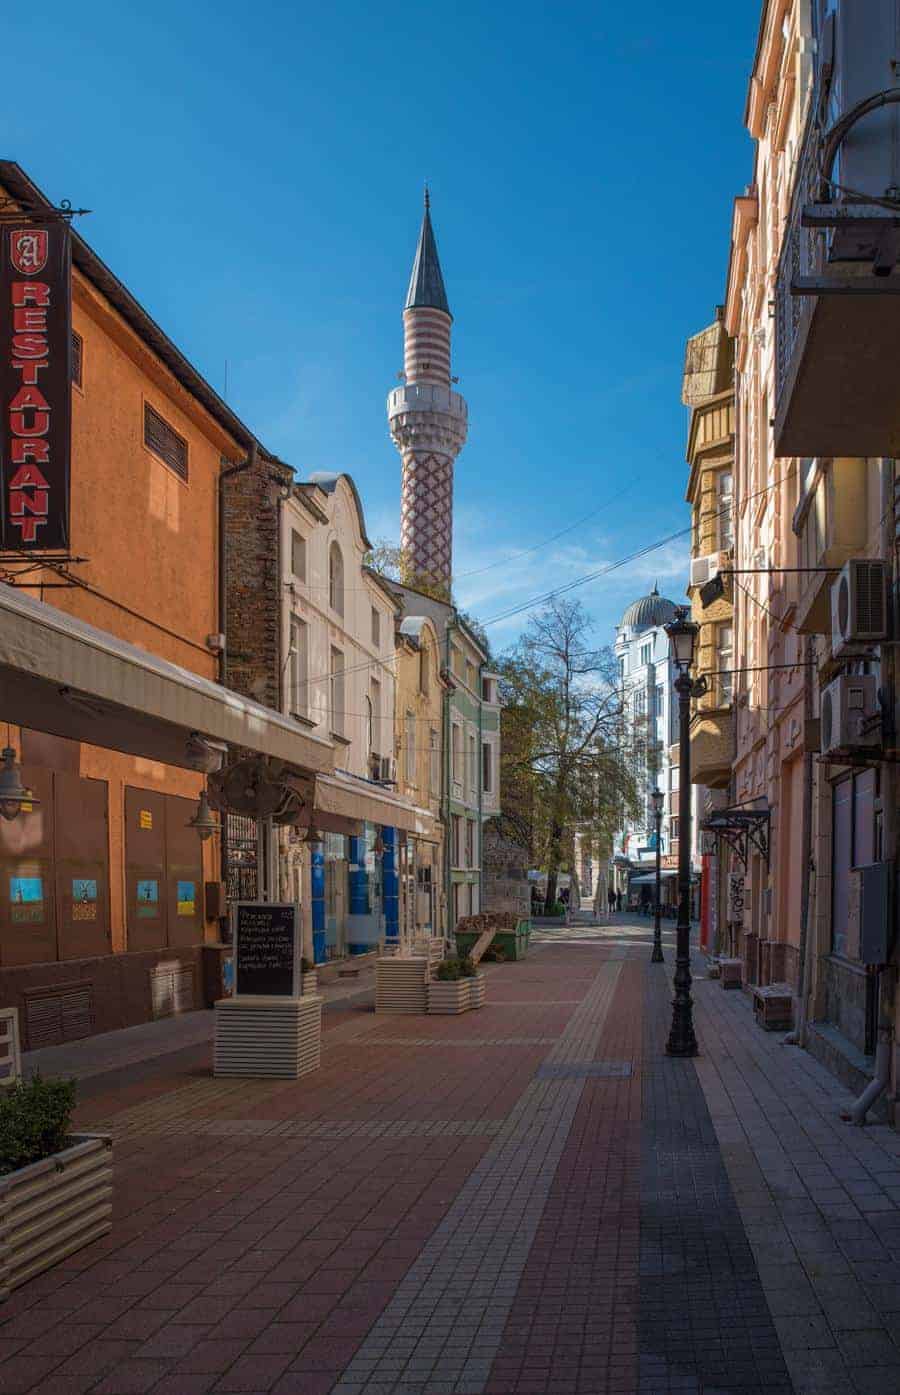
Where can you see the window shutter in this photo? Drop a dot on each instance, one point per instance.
(165, 441)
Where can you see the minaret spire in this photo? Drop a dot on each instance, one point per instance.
(428, 420)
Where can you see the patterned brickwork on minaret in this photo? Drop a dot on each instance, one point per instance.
(428, 421)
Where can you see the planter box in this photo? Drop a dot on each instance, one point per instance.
(52, 1208)
(309, 982)
(455, 996)
(257, 1036)
(731, 972)
(401, 985)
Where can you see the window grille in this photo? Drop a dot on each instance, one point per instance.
(165, 441)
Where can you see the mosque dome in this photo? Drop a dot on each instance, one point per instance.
(649, 611)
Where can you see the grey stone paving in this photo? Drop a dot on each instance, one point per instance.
(703, 1322)
(443, 1328)
(819, 1199)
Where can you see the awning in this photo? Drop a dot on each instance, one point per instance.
(741, 827)
(651, 877)
(350, 797)
(60, 675)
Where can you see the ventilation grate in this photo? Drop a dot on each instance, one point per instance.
(57, 1014)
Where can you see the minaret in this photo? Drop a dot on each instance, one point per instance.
(428, 421)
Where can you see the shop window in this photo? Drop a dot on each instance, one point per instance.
(163, 440)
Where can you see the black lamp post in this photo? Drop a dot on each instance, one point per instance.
(682, 634)
(656, 799)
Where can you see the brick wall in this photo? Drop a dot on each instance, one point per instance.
(253, 580)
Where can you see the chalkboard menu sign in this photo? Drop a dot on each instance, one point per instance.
(266, 949)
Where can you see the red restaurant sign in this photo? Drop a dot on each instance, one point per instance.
(35, 392)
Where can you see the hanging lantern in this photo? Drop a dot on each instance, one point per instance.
(13, 794)
(203, 822)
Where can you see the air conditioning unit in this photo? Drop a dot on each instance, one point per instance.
(388, 771)
(859, 606)
(849, 713)
(703, 569)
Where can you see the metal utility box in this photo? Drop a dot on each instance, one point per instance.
(876, 912)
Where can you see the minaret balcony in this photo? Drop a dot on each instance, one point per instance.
(428, 397)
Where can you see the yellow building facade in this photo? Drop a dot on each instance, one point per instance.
(419, 754)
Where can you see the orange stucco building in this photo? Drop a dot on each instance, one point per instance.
(105, 864)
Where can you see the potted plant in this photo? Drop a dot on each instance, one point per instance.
(55, 1186)
(456, 986)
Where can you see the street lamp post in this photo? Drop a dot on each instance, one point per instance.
(682, 634)
(656, 799)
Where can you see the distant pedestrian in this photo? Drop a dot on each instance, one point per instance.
(611, 900)
(618, 900)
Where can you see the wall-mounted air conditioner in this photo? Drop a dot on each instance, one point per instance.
(849, 713)
(388, 771)
(859, 606)
(703, 569)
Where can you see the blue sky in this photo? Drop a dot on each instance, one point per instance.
(256, 178)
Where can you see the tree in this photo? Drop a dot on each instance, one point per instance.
(566, 763)
(387, 558)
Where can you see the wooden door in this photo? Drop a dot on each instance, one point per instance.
(145, 869)
(27, 899)
(184, 873)
(82, 865)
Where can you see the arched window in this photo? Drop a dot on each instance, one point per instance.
(336, 579)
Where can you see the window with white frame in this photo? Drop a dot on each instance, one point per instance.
(336, 579)
(646, 654)
(487, 767)
(375, 695)
(725, 508)
(410, 744)
(725, 662)
(470, 843)
(456, 841)
(434, 762)
(338, 715)
(456, 753)
(299, 667)
(298, 555)
(472, 771)
(640, 703)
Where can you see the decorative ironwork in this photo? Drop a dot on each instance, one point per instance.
(740, 829)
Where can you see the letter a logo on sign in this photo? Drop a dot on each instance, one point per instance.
(28, 249)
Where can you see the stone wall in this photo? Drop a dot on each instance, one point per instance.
(253, 580)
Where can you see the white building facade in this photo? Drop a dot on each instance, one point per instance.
(651, 704)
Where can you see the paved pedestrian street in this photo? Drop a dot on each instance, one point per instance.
(527, 1200)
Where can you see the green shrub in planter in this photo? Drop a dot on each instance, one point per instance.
(467, 969)
(35, 1116)
(448, 971)
(557, 908)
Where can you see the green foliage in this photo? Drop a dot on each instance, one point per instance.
(467, 968)
(557, 908)
(306, 965)
(448, 971)
(35, 1116)
(566, 761)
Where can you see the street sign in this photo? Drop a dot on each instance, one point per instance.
(267, 950)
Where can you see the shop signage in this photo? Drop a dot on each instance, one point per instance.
(35, 392)
(267, 949)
